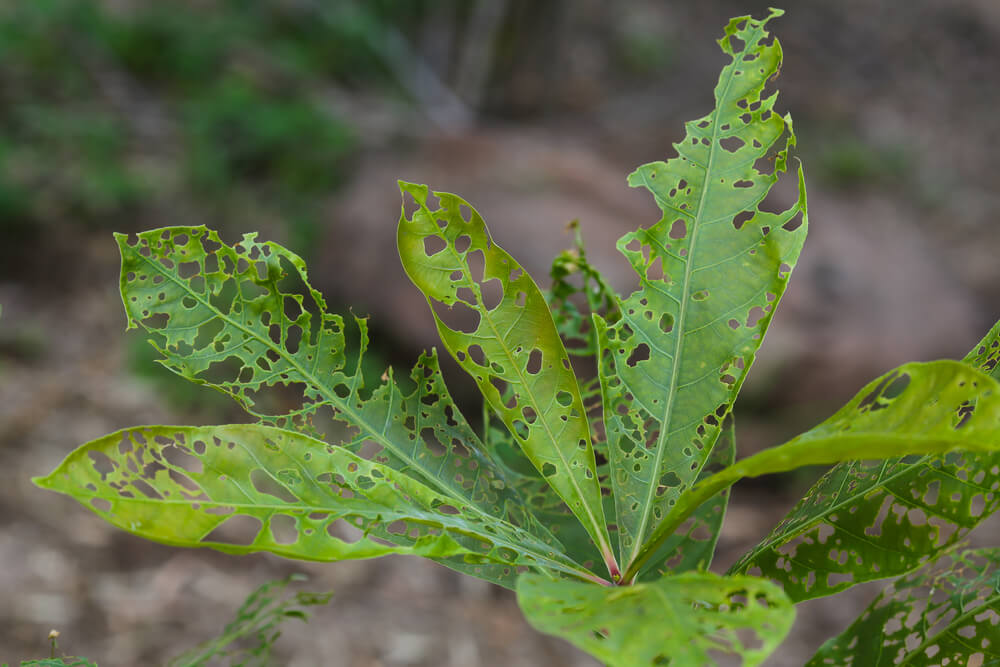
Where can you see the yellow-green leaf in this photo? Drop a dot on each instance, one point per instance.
(684, 619)
(494, 320)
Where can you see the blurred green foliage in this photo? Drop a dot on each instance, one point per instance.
(113, 115)
(849, 163)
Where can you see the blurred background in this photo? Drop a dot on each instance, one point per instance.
(294, 118)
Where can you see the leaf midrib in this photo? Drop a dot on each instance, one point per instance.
(682, 321)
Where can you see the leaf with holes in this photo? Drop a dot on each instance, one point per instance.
(692, 544)
(494, 320)
(711, 273)
(892, 514)
(919, 408)
(247, 641)
(947, 613)
(247, 488)
(244, 320)
(575, 324)
(684, 619)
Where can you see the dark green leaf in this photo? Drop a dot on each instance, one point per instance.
(692, 545)
(935, 501)
(947, 613)
(573, 305)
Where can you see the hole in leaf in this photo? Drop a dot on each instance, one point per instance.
(431, 441)
(564, 398)
(548, 470)
(101, 463)
(477, 355)
(467, 295)
(655, 270)
(529, 414)
(754, 316)
(666, 322)
(534, 364)
(897, 386)
(284, 529)
(267, 485)
(794, 223)
(188, 269)
(742, 218)
(477, 265)
(157, 321)
(434, 244)
(743, 183)
(640, 353)
(492, 291)
(678, 229)
(732, 144)
(463, 242)
(181, 458)
(458, 317)
(238, 530)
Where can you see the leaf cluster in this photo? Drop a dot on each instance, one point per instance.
(598, 498)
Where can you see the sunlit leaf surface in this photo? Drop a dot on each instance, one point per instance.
(921, 408)
(494, 320)
(692, 618)
(246, 488)
(889, 515)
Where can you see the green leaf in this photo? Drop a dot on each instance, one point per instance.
(493, 319)
(285, 493)
(244, 320)
(946, 613)
(684, 619)
(575, 325)
(711, 273)
(692, 544)
(68, 661)
(257, 621)
(919, 408)
(934, 500)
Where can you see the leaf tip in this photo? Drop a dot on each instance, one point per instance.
(43, 482)
(416, 190)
